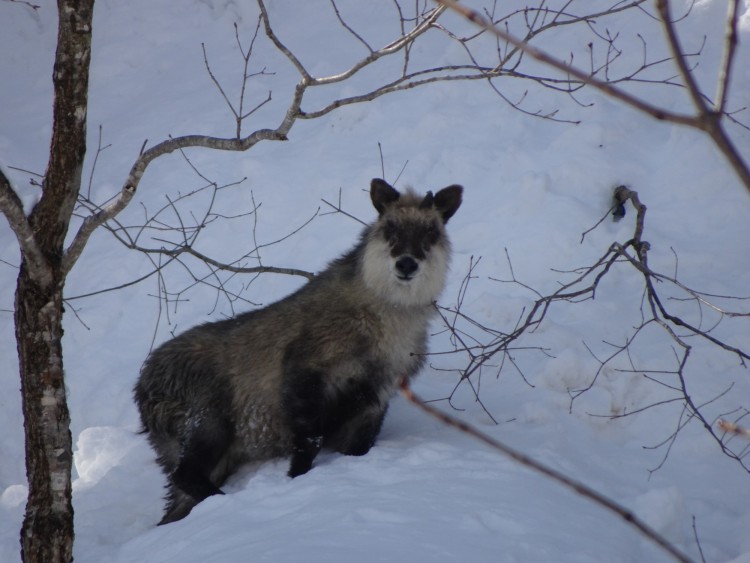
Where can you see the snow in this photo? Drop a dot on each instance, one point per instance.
(532, 186)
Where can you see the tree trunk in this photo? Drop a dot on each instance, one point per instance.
(47, 532)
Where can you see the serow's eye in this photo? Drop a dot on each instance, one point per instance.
(431, 236)
(390, 233)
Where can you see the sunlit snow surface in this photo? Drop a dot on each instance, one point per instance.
(425, 492)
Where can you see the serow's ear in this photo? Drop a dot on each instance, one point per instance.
(382, 194)
(448, 200)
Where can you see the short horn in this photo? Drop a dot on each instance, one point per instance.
(428, 201)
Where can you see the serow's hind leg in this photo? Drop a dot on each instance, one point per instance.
(204, 448)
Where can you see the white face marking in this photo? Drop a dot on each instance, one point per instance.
(381, 276)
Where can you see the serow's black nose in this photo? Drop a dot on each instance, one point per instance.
(406, 266)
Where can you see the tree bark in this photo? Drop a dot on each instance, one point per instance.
(47, 532)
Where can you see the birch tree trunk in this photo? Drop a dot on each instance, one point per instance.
(47, 532)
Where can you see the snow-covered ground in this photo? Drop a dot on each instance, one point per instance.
(532, 186)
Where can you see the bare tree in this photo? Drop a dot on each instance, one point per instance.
(47, 533)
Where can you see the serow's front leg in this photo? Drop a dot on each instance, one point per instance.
(302, 398)
(360, 432)
(304, 450)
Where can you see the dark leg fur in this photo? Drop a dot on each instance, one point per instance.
(185, 405)
(348, 419)
(302, 397)
(304, 451)
(360, 433)
(179, 505)
(204, 447)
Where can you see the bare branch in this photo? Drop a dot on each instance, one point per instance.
(218, 84)
(567, 69)
(348, 28)
(237, 269)
(730, 47)
(677, 54)
(30, 5)
(91, 223)
(490, 343)
(406, 81)
(139, 167)
(99, 150)
(271, 34)
(12, 208)
(705, 119)
(698, 541)
(390, 49)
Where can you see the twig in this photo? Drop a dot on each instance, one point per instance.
(34, 7)
(605, 87)
(337, 209)
(730, 47)
(698, 541)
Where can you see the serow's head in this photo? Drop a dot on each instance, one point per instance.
(407, 250)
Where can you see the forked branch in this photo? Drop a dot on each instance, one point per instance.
(12, 207)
